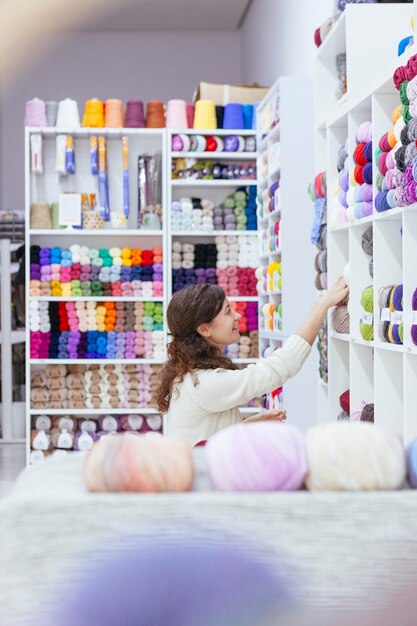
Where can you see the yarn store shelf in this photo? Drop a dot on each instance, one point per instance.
(232, 156)
(244, 182)
(221, 132)
(212, 233)
(340, 336)
(82, 412)
(105, 232)
(44, 189)
(137, 361)
(285, 119)
(96, 299)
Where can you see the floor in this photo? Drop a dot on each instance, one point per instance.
(12, 461)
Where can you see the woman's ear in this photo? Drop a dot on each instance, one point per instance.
(204, 330)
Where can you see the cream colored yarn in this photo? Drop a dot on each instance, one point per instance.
(353, 456)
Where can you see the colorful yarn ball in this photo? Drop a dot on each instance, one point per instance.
(353, 456)
(266, 456)
(136, 463)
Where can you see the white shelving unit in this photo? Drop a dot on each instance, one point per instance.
(11, 412)
(291, 141)
(215, 190)
(375, 371)
(47, 187)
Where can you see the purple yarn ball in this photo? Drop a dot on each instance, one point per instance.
(157, 582)
(264, 456)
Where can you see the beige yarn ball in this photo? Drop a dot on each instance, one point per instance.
(353, 456)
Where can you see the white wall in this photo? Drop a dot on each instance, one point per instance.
(277, 38)
(145, 65)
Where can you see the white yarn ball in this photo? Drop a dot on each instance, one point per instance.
(353, 456)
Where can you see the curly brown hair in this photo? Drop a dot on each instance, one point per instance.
(189, 351)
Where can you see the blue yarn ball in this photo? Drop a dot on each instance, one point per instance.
(411, 454)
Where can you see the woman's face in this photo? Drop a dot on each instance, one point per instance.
(223, 330)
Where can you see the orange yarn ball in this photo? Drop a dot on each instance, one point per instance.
(136, 463)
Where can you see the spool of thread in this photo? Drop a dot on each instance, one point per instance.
(155, 114)
(177, 114)
(219, 115)
(113, 113)
(233, 116)
(134, 115)
(247, 116)
(51, 107)
(35, 113)
(68, 115)
(190, 114)
(205, 115)
(94, 114)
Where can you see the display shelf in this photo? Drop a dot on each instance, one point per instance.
(96, 299)
(221, 156)
(281, 223)
(374, 371)
(91, 412)
(17, 336)
(191, 182)
(212, 233)
(137, 361)
(105, 232)
(47, 186)
(221, 132)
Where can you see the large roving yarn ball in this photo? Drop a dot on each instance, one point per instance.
(137, 463)
(353, 456)
(265, 456)
(412, 463)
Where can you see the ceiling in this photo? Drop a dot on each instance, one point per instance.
(174, 15)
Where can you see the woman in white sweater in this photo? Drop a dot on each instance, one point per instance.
(200, 388)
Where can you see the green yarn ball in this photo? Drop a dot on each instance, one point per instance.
(367, 303)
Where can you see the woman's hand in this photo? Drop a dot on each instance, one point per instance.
(279, 415)
(336, 294)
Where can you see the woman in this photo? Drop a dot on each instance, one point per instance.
(200, 388)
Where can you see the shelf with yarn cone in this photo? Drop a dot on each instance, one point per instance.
(103, 361)
(222, 132)
(113, 232)
(97, 298)
(212, 233)
(81, 132)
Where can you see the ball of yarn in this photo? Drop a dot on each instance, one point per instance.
(367, 241)
(265, 456)
(345, 401)
(411, 454)
(367, 414)
(353, 456)
(367, 323)
(138, 464)
(340, 319)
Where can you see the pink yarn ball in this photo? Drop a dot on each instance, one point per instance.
(264, 456)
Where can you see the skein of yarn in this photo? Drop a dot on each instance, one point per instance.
(265, 456)
(353, 456)
(138, 464)
(341, 319)
(367, 317)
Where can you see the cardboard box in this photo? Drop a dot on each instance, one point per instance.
(223, 94)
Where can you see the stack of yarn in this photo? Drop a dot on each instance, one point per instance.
(317, 192)
(368, 247)
(84, 271)
(96, 330)
(261, 275)
(229, 262)
(389, 177)
(201, 169)
(322, 344)
(271, 317)
(274, 277)
(236, 212)
(79, 434)
(359, 195)
(391, 314)
(247, 346)
(95, 386)
(212, 143)
(341, 186)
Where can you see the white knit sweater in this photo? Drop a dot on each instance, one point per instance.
(209, 400)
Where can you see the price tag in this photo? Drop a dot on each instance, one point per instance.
(367, 318)
(385, 315)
